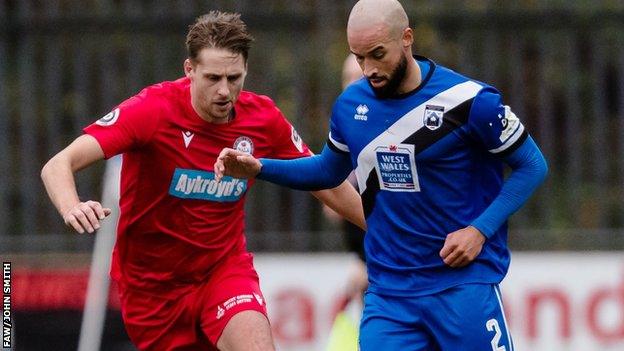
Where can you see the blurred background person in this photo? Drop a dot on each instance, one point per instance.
(353, 235)
(344, 332)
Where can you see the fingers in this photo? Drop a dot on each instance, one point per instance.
(455, 252)
(235, 164)
(462, 246)
(457, 257)
(451, 254)
(446, 249)
(97, 209)
(246, 160)
(86, 216)
(219, 166)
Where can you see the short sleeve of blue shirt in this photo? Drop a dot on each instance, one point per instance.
(494, 124)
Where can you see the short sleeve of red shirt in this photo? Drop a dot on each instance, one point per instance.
(128, 126)
(287, 144)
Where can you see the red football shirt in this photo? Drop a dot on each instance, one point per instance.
(177, 223)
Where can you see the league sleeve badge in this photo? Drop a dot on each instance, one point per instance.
(296, 139)
(109, 119)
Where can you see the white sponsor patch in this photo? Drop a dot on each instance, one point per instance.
(396, 168)
(109, 119)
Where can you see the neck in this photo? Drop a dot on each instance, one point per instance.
(413, 77)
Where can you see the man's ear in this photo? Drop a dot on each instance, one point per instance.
(408, 37)
(188, 67)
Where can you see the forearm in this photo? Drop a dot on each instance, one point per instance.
(324, 171)
(58, 172)
(58, 179)
(345, 200)
(529, 170)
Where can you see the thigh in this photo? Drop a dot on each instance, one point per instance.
(154, 323)
(393, 324)
(468, 317)
(255, 328)
(234, 289)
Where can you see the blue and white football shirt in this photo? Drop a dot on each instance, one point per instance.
(427, 163)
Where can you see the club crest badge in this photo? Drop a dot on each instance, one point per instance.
(244, 144)
(434, 116)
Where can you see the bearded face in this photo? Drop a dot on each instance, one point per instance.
(393, 80)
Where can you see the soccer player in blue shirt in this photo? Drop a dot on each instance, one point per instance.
(428, 146)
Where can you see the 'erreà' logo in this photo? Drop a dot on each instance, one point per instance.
(201, 185)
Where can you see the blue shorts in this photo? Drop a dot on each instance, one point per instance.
(466, 317)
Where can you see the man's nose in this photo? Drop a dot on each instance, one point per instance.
(223, 89)
(369, 69)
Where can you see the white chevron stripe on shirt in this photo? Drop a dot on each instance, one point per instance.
(409, 124)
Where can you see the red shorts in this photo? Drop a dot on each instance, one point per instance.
(195, 320)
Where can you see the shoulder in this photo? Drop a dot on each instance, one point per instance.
(357, 93)
(168, 91)
(480, 94)
(359, 89)
(251, 99)
(446, 78)
(158, 96)
(153, 102)
(261, 106)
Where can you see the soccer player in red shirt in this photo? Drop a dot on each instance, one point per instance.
(185, 277)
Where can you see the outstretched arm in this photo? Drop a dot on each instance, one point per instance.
(58, 178)
(528, 172)
(325, 171)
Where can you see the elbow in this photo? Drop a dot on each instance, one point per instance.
(334, 183)
(51, 167)
(47, 169)
(542, 170)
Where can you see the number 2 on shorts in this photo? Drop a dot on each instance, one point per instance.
(492, 325)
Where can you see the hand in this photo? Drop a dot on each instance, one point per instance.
(357, 282)
(462, 246)
(236, 164)
(86, 216)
